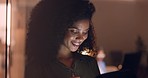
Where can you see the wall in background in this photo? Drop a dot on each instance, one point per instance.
(118, 23)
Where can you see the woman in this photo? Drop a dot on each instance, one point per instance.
(57, 31)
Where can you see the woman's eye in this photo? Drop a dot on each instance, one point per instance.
(85, 33)
(73, 31)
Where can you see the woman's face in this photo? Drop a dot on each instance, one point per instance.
(76, 35)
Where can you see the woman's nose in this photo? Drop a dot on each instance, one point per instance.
(80, 37)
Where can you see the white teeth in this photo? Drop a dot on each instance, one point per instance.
(77, 44)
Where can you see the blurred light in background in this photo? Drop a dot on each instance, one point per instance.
(5, 26)
(8, 21)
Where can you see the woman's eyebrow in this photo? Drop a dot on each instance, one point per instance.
(78, 28)
(73, 28)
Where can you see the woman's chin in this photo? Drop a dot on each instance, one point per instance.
(74, 49)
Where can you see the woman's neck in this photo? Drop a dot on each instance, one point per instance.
(64, 53)
(65, 56)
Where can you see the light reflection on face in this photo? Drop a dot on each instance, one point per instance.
(76, 35)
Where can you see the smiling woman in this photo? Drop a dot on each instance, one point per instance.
(76, 35)
(55, 37)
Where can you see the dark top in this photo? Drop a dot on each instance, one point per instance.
(83, 66)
